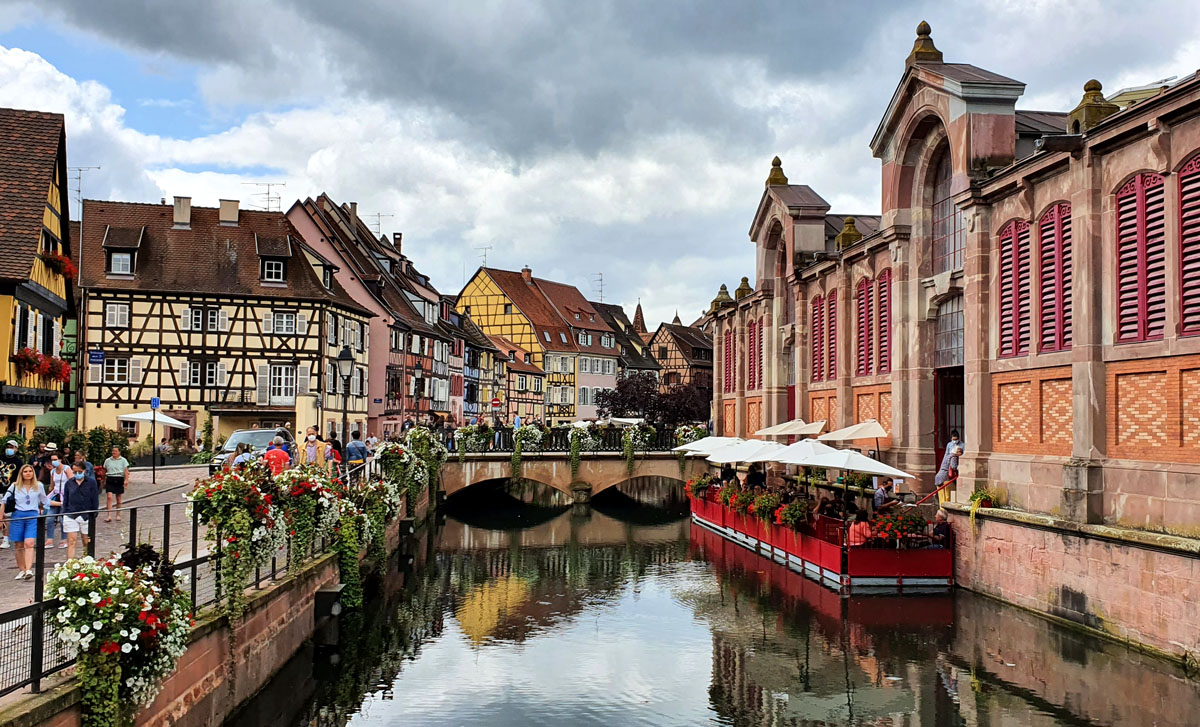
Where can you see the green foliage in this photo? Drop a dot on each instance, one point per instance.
(728, 492)
(633, 439)
(45, 435)
(143, 447)
(686, 434)
(204, 456)
(766, 505)
(580, 439)
(894, 525)
(348, 545)
(100, 679)
(101, 440)
(206, 433)
(697, 486)
(76, 440)
(792, 514)
(742, 501)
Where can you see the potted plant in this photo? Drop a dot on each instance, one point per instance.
(986, 497)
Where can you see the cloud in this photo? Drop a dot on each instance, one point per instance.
(165, 103)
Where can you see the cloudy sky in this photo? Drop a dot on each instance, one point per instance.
(624, 138)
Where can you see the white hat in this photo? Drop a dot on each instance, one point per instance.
(13, 442)
(51, 447)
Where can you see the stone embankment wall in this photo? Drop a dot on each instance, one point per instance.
(1137, 587)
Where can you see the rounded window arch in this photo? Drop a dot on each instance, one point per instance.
(947, 235)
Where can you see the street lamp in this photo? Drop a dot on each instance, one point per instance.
(345, 364)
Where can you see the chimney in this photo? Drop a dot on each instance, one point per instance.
(396, 238)
(354, 219)
(527, 275)
(229, 212)
(183, 213)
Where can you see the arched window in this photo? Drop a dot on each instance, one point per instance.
(817, 339)
(1014, 289)
(1189, 248)
(883, 294)
(948, 236)
(831, 335)
(864, 317)
(948, 341)
(1054, 250)
(729, 359)
(758, 355)
(1141, 259)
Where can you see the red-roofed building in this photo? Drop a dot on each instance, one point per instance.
(526, 383)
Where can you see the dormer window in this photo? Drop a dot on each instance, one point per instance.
(512, 355)
(120, 263)
(327, 278)
(563, 336)
(526, 358)
(273, 270)
(576, 316)
(546, 335)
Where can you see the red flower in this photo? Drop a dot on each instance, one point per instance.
(110, 648)
(104, 603)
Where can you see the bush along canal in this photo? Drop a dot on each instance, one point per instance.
(631, 614)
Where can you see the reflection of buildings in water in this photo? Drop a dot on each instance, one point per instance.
(596, 529)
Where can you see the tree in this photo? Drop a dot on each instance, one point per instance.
(636, 395)
(690, 402)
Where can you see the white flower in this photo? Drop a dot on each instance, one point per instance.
(62, 591)
(81, 602)
(126, 648)
(125, 632)
(97, 625)
(83, 629)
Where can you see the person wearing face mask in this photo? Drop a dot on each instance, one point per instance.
(313, 450)
(59, 473)
(116, 470)
(10, 465)
(29, 498)
(80, 499)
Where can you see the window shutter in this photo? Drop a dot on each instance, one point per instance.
(223, 320)
(135, 371)
(57, 338)
(883, 297)
(268, 322)
(222, 375)
(34, 343)
(1156, 258)
(1189, 248)
(831, 328)
(184, 378)
(303, 374)
(1054, 265)
(366, 329)
(1141, 259)
(817, 342)
(301, 325)
(263, 385)
(16, 333)
(185, 320)
(95, 373)
(1006, 290)
(864, 358)
(39, 339)
(1023, 277)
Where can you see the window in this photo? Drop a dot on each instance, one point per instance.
(728, 368)
(210, 374)
(1141, 259)
(546, 335)
(272, 271)
(862, 298)
(584, 396)
(948, 340)
(883, 297)
(195, 319)
(214, 319)
(831, 335)
(120, 263)
(948, 235)
(562, 336)
(356, 382)
(1054, 278)
(116, 315)
(1014, 289)
(1189, 249)
(284, 324)
(521, 382)
(662, 352)
(537, 384)
(327, 278)
(359, 343)
(507, 308)
(193, 374)
(576, 316)
(116, 371)
(283, 385)
(751, 334)
(129, 429)
(331, 330)
(585, 365)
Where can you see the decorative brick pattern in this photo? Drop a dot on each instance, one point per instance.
(728, 419)
(885, 410)
(874, 402)
(865, 404)
(1017, 420)
(1141, 416)
(1057, 412)
(823, 405)
(819, 408)
(1190, 381)
(753, 416)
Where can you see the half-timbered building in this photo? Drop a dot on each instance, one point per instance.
(35, 268)
(216, 312)
(633, 353)
(684, 353)
(479, 359)
(524, 393)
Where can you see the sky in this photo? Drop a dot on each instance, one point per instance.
(628, 140)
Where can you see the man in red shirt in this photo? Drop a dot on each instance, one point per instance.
(277, 457)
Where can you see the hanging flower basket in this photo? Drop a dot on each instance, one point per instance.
(59, 263)
(29, 361)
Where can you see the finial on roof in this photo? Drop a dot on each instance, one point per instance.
(849, 234)
(744, 289)
(639, 320)
(722, 299)
(924, 51)
(776, 176)
(1092, 109)
(677, 321)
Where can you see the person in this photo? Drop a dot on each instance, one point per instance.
(244, 455)
(336, 445)
(29, 497)
(116, 471)
(163, 447)
(941, 531)
(373, 441)
(59, 472)
(356, 451)
(860, 532)
(755, 476)
(81, 497)
(947, 472)
(883, 499)
(39, 459)
(87, 466)
(313, 450)
(728, 474)
(277, 457)
(10, 465)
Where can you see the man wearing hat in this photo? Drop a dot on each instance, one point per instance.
(10, 465)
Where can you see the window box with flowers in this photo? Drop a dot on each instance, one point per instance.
(29, 361)
(59, 263)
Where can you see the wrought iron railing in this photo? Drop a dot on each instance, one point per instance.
(559, 440)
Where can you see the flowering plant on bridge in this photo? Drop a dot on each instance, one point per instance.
(728, 492)
(471, 438)
(686, 434)
(742, 502)
(792, 514)
(524, 437)
(310, 505)
(765, 506)
(429, 454)
(581, 439)
(697, 486)
(128, 621)
(894, 526)
(239, 508)
(634, 439)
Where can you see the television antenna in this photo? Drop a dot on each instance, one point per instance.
(483, 253)
(75, 174)
(271, 199)
(379, 222)
(598, 284)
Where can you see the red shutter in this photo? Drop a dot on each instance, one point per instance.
(1141, 259)
(752, 358)
(728, 362)
(883, 294)
(817, 338)
(831, 327)
(1023, 276)
(1007, 335)
(863, 309)
(759, 375)
(1189, 248)
(1054, 255)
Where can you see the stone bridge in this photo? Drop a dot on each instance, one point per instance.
(597, 472)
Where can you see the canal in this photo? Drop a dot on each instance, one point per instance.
(519, 611)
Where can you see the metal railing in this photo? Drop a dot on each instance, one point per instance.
(558, 440)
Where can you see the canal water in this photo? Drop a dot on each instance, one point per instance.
(517, 613)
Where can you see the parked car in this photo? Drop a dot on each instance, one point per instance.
(258, 439)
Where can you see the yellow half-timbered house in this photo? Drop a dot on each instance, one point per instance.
(35, 252)
(218, 312)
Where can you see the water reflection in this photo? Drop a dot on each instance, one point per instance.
(630, 615)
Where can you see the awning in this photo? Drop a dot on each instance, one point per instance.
(155, 417)
(706, 445)
(802, 451)
(869, 429)
(794, 427)
(852, 461)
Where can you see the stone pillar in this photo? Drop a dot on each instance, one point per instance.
(845, 346)
(1083, 478)
(977, 349)
(738, 321)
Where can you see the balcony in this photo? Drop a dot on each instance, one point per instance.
(241, 399)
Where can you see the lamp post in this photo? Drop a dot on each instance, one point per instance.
(345, 364)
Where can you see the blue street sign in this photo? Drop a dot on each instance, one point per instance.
(379, 401)
(96, 357)
(154, 402)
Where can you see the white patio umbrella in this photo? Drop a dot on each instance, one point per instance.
(867, 429)
(766, 453)
(801, 452)
(794, 427)
(706, 445)
(850, 460)
(740, 451)
(154, 418)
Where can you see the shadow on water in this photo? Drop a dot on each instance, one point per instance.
(632, 615)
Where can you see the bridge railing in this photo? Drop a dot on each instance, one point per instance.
(558, 440)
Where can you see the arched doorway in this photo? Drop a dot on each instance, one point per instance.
(948, 373)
